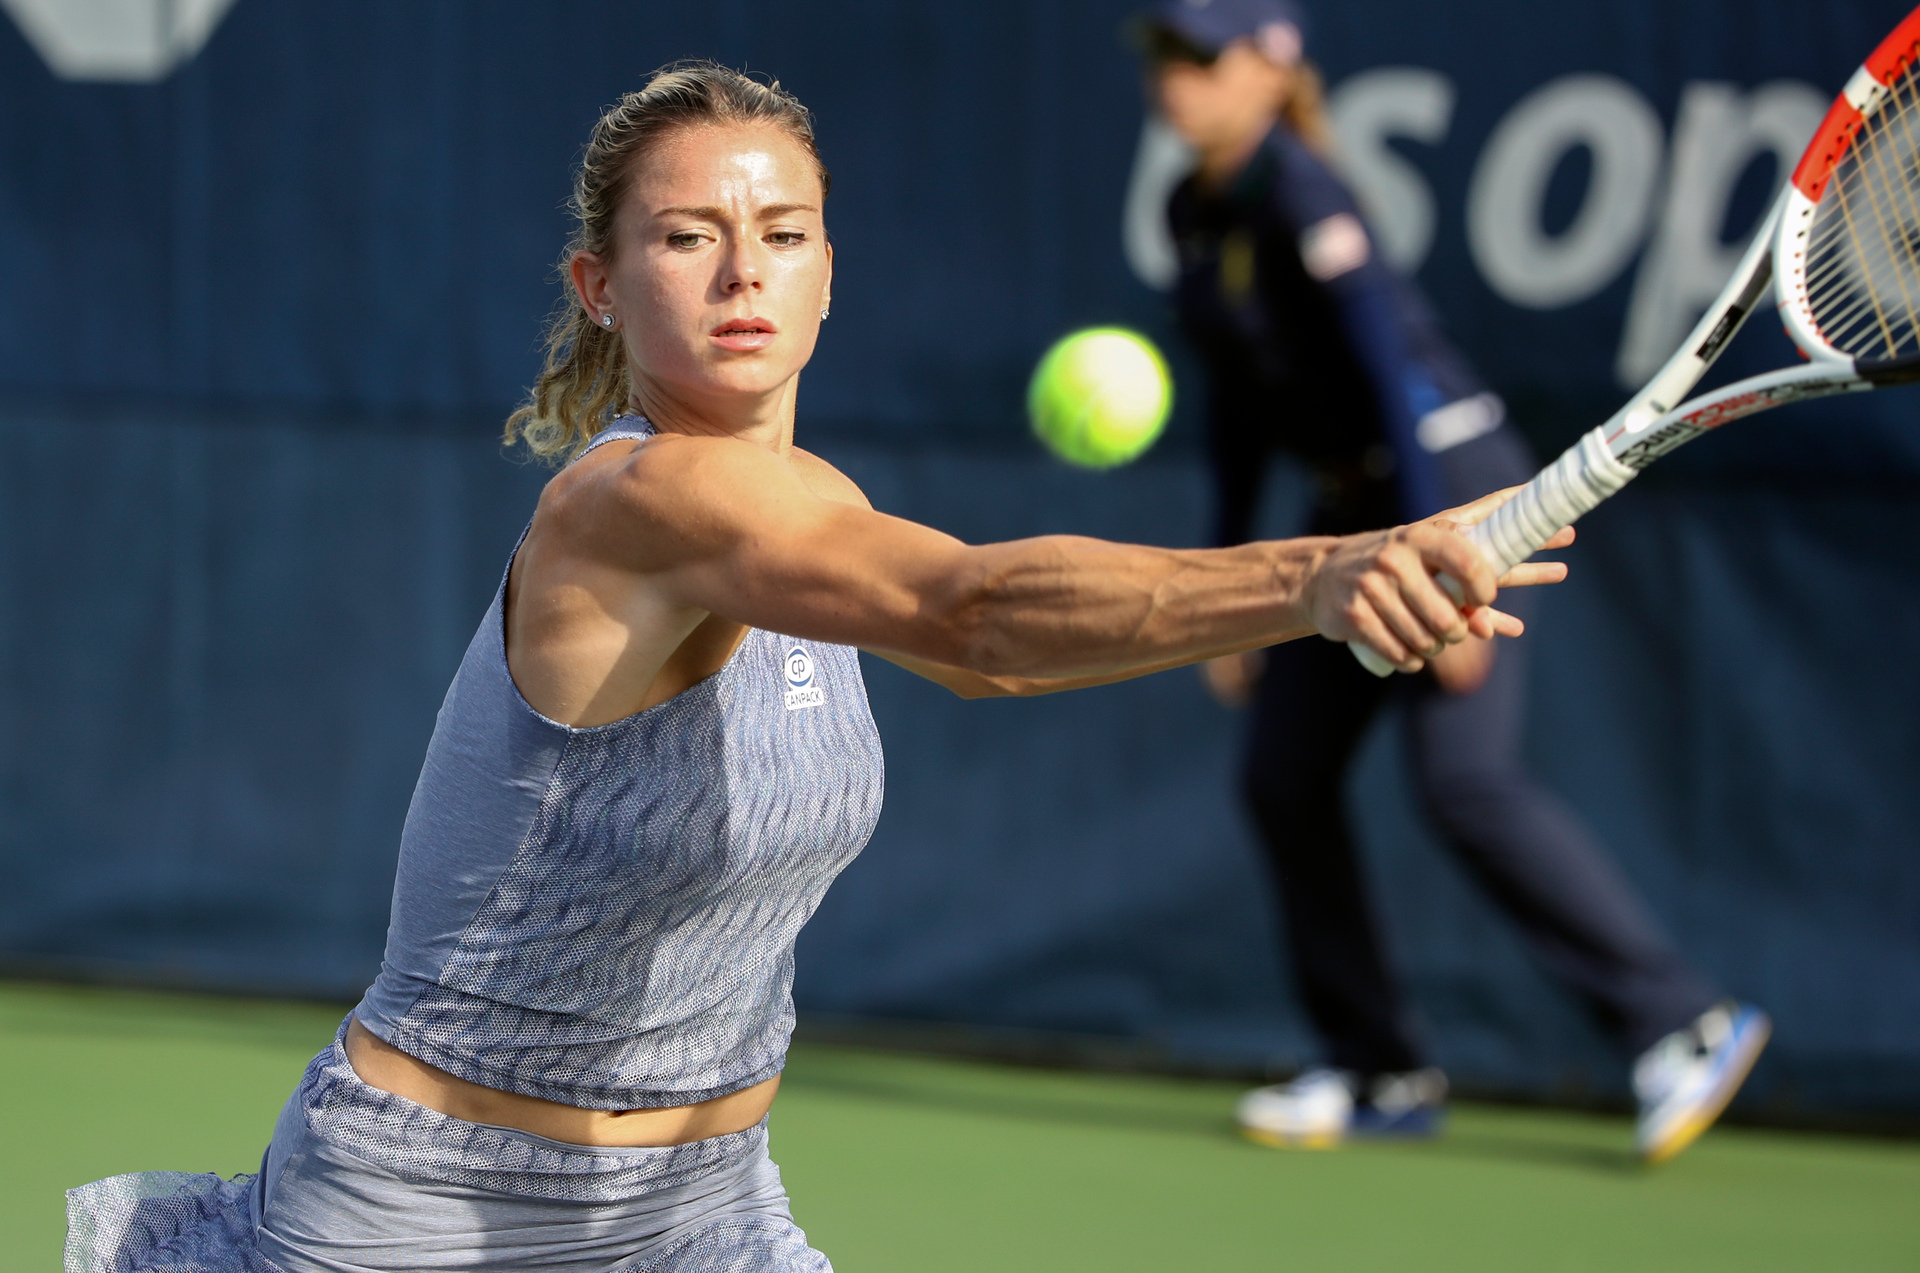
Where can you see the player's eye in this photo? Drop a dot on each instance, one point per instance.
(684, 239)
(787, 238)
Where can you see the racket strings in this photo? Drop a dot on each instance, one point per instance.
(1863, 252)
(1887, 166)
(1864, 259)
(1871, 196)
(1857, 265)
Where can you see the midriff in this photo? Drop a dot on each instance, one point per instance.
(380, 1064)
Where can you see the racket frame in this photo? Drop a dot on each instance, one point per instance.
(1654, 421)
(1636, 434)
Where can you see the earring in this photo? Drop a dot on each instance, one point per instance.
(823, 313)
(606, 320)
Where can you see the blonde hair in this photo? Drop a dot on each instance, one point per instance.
(1305, 108)
(586, 379)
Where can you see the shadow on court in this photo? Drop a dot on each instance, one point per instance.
(1493, 1146)
(1060, 1111)
(1197, 1110)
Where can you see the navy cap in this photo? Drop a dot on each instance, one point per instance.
(1277, 26)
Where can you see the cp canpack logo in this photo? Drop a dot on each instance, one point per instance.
(801, 691)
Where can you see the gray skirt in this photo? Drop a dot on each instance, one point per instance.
(361, 1181)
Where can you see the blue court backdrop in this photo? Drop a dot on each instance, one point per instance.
(271, 273)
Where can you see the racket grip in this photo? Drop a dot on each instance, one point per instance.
(1372, 660)
(1584, 477)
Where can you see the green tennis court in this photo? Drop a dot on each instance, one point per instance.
(907, 1163)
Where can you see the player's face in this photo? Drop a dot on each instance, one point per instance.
(720, 266)
(1224, 103)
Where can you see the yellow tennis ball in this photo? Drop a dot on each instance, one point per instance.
(1100, 396)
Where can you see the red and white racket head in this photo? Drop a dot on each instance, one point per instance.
(1847, 260)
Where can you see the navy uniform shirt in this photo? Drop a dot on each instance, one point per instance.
(1314, 345)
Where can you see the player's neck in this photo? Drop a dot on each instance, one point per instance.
(765, 419)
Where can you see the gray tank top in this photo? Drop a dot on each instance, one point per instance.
(606, 916)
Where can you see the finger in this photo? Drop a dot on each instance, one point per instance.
(1488, 622)
(1372, 613)
(1392, 595)
(1369, 630)
(1451, 553)
(1481, 509)
(1531, 573)
(1424, 597)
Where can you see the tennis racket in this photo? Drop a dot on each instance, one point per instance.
(1841, 249)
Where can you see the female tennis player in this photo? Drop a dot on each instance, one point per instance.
(657, 754)
(1317, 349)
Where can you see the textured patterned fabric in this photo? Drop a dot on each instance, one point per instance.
(361, 1181)
(603, 917)
(410, 1141)
(751, 1244)
(627, 939)
(162, 1222)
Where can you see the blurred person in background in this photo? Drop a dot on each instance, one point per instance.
(1317, 349)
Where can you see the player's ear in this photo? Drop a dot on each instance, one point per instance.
(588, 270)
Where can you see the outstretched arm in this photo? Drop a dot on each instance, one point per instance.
(729, 528)
(1483, 624)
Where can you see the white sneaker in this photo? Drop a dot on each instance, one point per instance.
(1324, 1106)
(1687, 1078)
(1311, 1112)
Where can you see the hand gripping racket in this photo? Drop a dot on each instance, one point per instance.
(1841, 248)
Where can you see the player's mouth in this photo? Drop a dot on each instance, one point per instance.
(744, 333)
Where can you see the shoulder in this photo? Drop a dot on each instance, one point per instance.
(615, 468)
(826, 481)
(1304, 188)
(1314, 209)
(1295, 161)
(662, 488)
(671, 487)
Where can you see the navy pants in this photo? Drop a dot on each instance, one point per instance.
(1528, 851)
